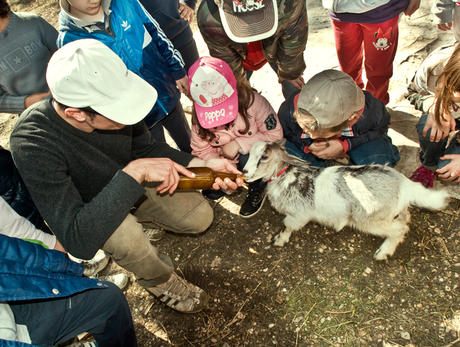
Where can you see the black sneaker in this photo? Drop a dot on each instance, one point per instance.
(213, 194)
(254, 201)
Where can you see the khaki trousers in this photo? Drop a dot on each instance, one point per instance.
(183, 212)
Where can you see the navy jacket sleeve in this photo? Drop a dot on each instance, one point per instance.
(165, 47)
(372, 124)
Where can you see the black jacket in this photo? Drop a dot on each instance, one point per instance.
(14, 192)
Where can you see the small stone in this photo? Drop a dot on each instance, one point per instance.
(271, 325)
(405, 335)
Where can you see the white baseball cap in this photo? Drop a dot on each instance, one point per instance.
(87, 73)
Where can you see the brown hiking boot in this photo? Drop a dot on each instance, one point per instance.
(180, 295)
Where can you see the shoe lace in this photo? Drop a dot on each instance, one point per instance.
(255, 195)
(176, 287)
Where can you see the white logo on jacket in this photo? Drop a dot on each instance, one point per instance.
(125, 25)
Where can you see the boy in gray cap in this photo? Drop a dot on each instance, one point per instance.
(332, 118)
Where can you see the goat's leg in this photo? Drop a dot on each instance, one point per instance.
(394, 231)
(292, 223)
(283, 237)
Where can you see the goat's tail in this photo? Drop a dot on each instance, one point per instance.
(416, 194)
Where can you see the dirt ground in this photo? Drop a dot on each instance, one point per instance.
(323, 288)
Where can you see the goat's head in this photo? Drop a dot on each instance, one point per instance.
(265, 160)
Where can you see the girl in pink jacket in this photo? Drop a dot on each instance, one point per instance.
(228, 118)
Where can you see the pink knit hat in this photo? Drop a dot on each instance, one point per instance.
(213, 90)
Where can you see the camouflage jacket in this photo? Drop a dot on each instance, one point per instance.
(284, 49)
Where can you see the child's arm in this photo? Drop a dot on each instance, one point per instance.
(14, 225)
(165, 47)
(372, 124)
(202, 148)
(268, 127)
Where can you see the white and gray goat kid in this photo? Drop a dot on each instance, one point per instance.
(370, 198)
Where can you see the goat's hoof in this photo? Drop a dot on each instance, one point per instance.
(279, 241)
(381, 255)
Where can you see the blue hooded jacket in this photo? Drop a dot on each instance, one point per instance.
(28, 271)
(139, 41)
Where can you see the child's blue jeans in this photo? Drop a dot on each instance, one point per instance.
(379, 151)
(430, 152)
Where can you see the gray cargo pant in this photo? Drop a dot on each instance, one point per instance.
(183, 212)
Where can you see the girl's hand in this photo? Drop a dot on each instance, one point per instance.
(182, 85)
(226, 166)
(186, 12)
(450, 172)
(298, 82)
(438, 132)
(445, 26)
(230, 150)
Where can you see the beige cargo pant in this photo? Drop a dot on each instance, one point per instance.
(129, 247)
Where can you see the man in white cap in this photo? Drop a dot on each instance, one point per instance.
(87, 159)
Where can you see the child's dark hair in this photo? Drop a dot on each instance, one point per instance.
(448, 83)
(245, 100)
(4, 9)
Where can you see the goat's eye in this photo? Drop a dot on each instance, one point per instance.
(264, 157)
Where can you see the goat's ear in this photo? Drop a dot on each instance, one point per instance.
(281, 143)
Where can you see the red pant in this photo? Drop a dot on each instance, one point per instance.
(378, 42)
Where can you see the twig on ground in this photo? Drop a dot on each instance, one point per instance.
(326, 340)
(453, 343)
(303, 323)
(338, 312)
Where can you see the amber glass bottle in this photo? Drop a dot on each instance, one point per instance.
(204, 178)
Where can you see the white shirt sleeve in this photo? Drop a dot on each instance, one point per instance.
(9, 330)
(14, 225)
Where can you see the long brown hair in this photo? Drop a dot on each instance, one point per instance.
(4, 9)
(448, 83)
(245, 100)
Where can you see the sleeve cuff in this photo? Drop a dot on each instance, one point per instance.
(177, 75)
(345, 145)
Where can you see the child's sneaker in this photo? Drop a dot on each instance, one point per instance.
(119, 279)
(213, 194)
(180, 295)
(254, 200)
(425, 176)
(95, 265)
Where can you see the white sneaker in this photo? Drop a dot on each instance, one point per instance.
(119, 279)
(97, 264)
